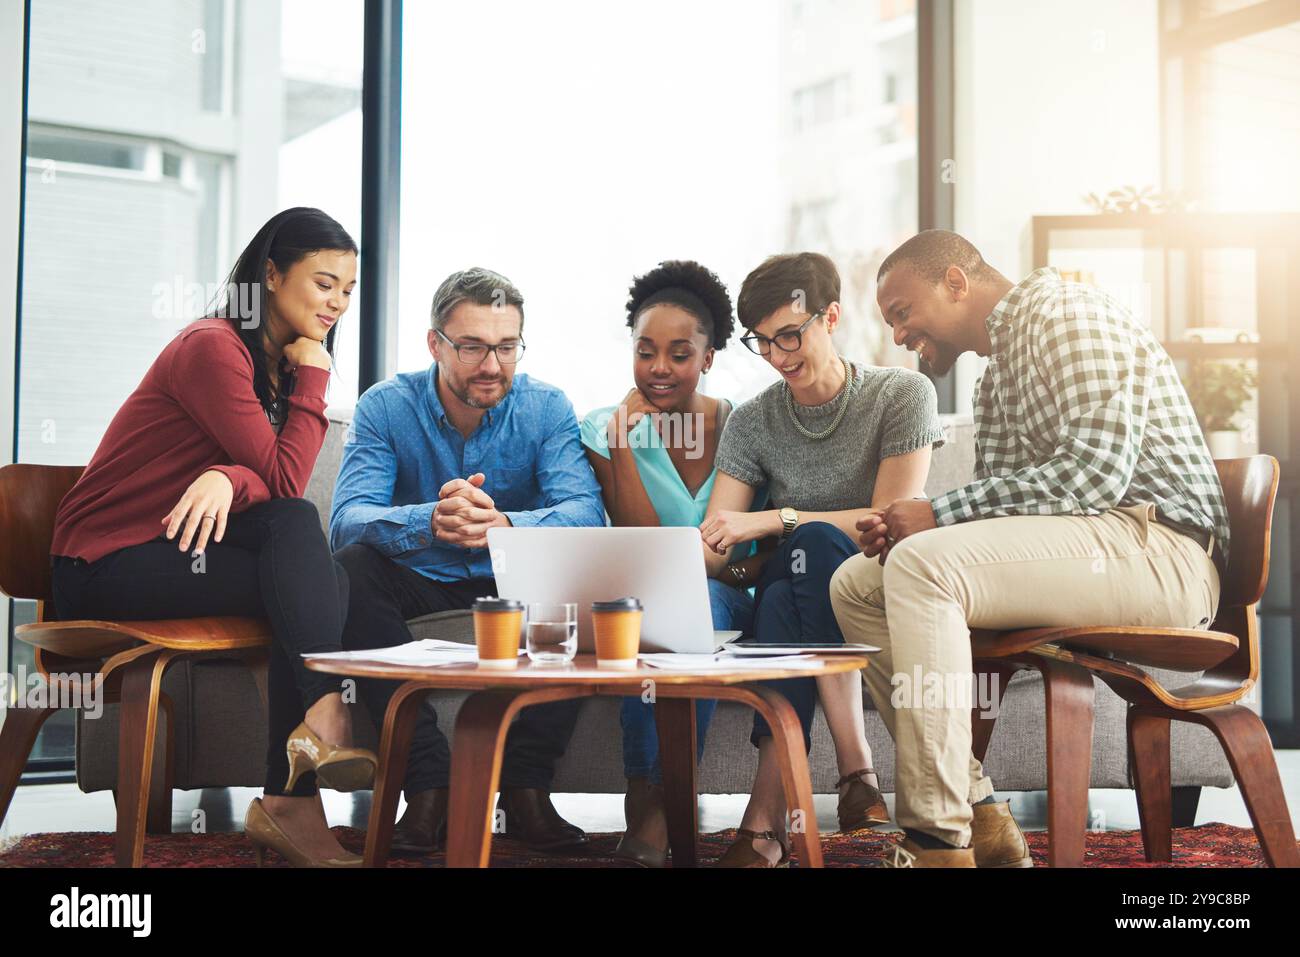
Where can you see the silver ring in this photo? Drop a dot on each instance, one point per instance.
(211, 518)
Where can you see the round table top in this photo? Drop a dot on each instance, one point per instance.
(581, 671)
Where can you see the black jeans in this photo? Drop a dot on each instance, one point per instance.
(383, 594)
(792, 605)
(272, 562)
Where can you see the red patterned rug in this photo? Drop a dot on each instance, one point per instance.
(1209, 845)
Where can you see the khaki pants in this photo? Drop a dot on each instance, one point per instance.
(1119, 568)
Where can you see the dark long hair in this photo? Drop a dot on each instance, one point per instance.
(287, 238)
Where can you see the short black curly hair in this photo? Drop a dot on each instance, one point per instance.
(690, 286)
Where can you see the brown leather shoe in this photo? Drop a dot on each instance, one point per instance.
(997, 838)
(907, 853)
(423, 827)
(741, 853)
(862, 805)
(530, 817)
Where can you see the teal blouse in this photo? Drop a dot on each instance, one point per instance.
(672, 500)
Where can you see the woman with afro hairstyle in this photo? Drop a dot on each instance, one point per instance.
(653, 455)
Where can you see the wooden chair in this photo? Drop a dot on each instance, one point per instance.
(125, 660)
(1228, 654)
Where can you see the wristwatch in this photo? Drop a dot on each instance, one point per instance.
(789, 519)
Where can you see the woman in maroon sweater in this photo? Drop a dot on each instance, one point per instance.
(192, 506)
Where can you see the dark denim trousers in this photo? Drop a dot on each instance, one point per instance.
(792, 605)
(733, 610)
(383, 595)
(273, 562)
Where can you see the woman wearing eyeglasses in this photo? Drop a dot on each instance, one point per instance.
(831, 441)
(653, 455)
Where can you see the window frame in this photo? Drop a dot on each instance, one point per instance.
(936, 139)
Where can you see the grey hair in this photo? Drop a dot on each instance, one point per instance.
(480, 286)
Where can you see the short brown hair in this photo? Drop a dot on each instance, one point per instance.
(807, 278)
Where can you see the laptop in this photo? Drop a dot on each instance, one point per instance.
(664, 567)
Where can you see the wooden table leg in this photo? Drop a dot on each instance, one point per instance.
(675, 720)
(787, 736)
(476, 751)
(394, 749)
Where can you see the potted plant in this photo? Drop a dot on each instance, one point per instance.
(1219, 391)
(1134, 199)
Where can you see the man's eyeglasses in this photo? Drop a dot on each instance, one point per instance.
(473, 353)
(785, 341)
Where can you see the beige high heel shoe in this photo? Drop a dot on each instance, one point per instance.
(261, 829)
(338, 768)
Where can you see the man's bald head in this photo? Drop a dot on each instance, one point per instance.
(931, 252)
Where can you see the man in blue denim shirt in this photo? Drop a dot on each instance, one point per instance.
(432, 461)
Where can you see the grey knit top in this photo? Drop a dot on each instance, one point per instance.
(891, 412)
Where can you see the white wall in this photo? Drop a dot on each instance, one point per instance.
(11, 172)
(1054, 99)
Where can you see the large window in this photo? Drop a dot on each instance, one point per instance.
(721, 132)
(1232, 73)
(161, 135)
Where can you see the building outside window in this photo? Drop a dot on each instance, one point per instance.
(150, 162)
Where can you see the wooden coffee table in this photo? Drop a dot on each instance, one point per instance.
(497, 695)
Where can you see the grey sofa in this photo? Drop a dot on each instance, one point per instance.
(220, 738)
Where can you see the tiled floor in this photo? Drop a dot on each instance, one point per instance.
(61, 807)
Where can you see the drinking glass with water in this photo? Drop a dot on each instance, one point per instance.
(552, 632)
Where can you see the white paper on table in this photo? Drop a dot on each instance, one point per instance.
(428, 651)
(724, 662)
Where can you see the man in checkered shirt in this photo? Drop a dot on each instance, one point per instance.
(1095, 500)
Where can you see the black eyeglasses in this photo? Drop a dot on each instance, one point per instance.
(473, 353)
(785, 341)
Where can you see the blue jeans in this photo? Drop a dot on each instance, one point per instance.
(792, 605)
(733, 610)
